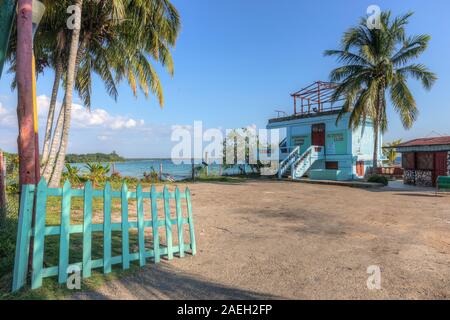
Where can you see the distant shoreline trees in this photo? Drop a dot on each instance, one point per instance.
(94, 157)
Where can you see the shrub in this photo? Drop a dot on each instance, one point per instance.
(378, 179)
(72, 174)
(12, 188)
(116, 177)
(97, 172)
(151, 177)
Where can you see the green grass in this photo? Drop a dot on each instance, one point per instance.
(51, 289)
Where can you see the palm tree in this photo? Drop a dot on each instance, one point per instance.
(115, 48)
(117, 40)
(72, 174)
(389, 150)
(50, 51)
(56, 54)
(374, 62)
(70, 82)
(97, 172)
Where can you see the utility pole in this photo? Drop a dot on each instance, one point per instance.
(25, 113)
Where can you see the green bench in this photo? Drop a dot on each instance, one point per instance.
(443, 183)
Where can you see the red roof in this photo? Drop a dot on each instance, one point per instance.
(426, 142)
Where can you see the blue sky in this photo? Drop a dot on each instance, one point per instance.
(236, 61)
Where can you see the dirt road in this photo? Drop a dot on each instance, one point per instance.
(269, 239)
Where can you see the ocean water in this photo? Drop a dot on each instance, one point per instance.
(136, 168)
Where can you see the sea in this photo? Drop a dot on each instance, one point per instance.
(136, 168)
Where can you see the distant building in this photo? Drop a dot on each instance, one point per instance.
(425, 159)
(319, 146)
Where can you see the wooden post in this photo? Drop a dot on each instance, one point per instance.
(25, 113)
(160, 171)
(2, 187)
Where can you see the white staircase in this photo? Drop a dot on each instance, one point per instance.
(297, 164)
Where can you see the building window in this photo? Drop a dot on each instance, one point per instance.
(331, 165)
(408, 161)
(425, 161)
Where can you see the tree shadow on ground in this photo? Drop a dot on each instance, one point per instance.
(162, 281)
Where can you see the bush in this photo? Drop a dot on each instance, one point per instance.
(12, 188)
(151, 177)
(378, 179)
(8, 231)
(116, 177)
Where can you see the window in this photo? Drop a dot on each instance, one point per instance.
(408, 161)
(331, 165)
(425, 161)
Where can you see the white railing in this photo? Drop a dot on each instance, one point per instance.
(305, 161)
(286, 163)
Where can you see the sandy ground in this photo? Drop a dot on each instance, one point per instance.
(270, 239)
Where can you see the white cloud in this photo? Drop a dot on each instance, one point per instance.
(103, 138)
(8, 117)
(83, 118)
(98, 130)
(43, 102)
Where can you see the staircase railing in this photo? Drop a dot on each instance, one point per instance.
(300, 166)
(286, 163)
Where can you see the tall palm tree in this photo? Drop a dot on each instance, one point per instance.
(117, 47)
(70, 82)
(50, 52)
(374, 63)
(117, 41)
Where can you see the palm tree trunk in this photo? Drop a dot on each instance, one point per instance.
(376, 130)
(51, 112)
(54, 146)
(57, 136)
(26, 139)
(71, 76)
(62, 124)
(377, 123)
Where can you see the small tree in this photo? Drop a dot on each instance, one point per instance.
(389, 150)
(72, 174)
(97, 172)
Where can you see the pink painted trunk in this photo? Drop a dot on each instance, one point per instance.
(26, 140)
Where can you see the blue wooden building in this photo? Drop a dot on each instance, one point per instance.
(316, 144)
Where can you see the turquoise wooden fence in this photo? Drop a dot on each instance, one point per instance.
(33, 197)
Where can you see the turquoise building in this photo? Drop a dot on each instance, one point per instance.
(317, 145)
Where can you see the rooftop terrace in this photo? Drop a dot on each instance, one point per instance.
(313, 100)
